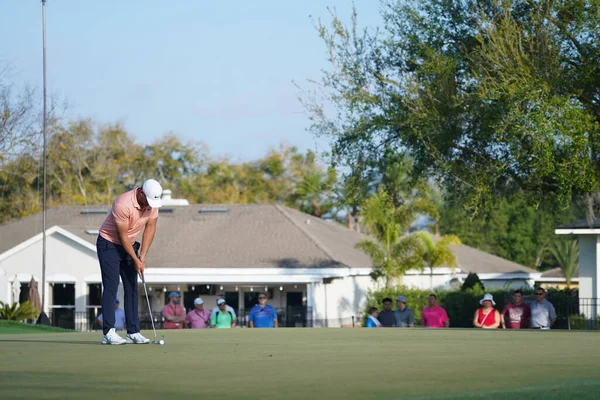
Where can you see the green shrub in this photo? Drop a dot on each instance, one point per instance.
(17, 312)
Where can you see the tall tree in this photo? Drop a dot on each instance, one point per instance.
(566, 254)
(436, 253)
(489, 98)
(392, 252)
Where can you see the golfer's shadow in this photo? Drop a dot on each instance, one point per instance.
(87, 342)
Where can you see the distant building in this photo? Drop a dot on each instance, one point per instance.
(308, 265)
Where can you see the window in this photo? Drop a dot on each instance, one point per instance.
(63, 294)
(24, 294)
(63, 305)
(95, 295)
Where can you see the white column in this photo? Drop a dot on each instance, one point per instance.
(589, 272)
(4, 288)
(49, 290)
(310, 300)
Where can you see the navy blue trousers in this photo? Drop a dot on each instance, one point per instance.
(115, 262)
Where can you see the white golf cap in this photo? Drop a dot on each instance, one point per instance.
(153, 192)
(220, 301)
(198, 301)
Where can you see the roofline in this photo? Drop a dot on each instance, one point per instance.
(511, 275)
(577, 231)
(550, 279)
(39, 236)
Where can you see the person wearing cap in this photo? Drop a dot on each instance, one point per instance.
(120, 255)
(263, 315)
(404, 315)
(198, 318)
(487, 317)
(119, 317)
(216, 309)
(224, 318)
(173, 312)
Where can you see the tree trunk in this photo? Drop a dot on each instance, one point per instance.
(316, 208)
(431, 279)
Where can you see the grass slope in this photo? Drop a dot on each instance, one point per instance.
(13, 327)
(306, 363)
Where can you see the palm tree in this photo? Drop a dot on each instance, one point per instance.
(16, 312)
(391, 253)
(566, 254)
(436, 254)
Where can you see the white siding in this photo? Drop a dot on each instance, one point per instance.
(589, 271)
(337, 302)
(65, 259)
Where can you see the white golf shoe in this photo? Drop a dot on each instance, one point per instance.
(136, 338)
(112, 337)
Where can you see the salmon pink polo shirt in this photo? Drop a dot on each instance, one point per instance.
(435, 318)
(127, 209)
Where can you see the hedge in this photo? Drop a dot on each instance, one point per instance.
(460, 305)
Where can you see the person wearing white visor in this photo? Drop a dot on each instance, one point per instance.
(121, 256)
(487, 317)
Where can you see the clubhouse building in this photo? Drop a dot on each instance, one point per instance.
(308, 266)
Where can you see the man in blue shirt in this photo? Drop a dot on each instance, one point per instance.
(119, 317)
(263, 315)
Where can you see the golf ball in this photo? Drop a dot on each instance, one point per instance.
(161, 342)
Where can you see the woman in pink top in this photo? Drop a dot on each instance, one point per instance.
(487, 317)
(434, 316)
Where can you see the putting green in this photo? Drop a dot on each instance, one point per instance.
(306, 364)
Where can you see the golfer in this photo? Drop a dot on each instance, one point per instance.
(120, 255)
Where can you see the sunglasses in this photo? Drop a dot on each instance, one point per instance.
(539, 294)
(262, 297)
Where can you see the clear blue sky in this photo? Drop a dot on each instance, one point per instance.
(212, 71)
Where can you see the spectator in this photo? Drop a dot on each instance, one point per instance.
(173, 312)
(372, 321)
(487, 317)
(404, 316)
(543, 315)
(119, 317)
(216, 309)
(518, 312)
(263, 315)
(198, 318)
(386, 317)
(223, 318)
(434, 316)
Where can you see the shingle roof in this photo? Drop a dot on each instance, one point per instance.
(582, 224)
(245, 236)
(557, 273)
(470, 259)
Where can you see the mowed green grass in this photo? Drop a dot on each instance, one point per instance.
(13, 327)
(305, 364)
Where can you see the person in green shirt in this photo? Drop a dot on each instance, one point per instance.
(223, 318)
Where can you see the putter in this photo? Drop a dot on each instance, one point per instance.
(150, 311)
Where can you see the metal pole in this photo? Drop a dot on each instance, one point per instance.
(44, 156)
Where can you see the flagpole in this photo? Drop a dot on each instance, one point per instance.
(44, 160)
